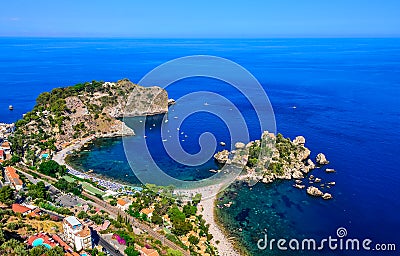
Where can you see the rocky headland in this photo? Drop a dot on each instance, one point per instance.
(68, 115)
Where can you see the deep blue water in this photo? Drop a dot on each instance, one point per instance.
(347, 96)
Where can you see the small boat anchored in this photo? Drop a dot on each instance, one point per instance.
(11, 107)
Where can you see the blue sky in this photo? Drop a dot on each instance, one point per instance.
(218, 18)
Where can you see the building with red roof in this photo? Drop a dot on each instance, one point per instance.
(19, 208)
(13, 178)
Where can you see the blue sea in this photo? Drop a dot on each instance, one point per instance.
(346, 93)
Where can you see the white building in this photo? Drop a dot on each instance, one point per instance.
(123, 204)
(77, 233)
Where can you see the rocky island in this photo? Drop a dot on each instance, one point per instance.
(277, 158)
(71, 114)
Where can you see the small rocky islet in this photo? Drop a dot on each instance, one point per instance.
(278, 158)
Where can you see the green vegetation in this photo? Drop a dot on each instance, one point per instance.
(189, 210)
(156, 219)
(71, 178)
(193, 240)
(172, 252)
(284, 146)
(97, 219)
(130, 251)
(50, 207)
(254, 153)
(47, 119)
(52, 168)
(92, 190)
(183, 217)
(6, 195)
(68, 187)
(38, 191)
(95, 252)
(15, 247)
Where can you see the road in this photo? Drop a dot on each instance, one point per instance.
(99, 240)
(114, 212)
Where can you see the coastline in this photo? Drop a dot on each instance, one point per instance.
(208, 205)
(239, 248)
(225, 247)
(61, 155)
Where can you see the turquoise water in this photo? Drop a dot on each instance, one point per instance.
(346, 92)
(40, 242)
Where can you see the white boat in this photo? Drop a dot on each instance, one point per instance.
(10, 107)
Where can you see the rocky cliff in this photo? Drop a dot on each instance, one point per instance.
(90, 109)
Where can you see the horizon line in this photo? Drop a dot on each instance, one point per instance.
(197, 37)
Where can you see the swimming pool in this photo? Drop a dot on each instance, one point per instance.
(39, 242)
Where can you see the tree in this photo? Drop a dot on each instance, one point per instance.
(156, 219)
(6, 195)
(13, 247)
(15, 159)
(52, 168)
(38, 250)
(55, 251)
(196, 199)
(37, 190)
(69, 187)
(130, 251)
(175, 214)
(113, 202)
(97, 219)
(2, 238)
(193, 240)
(82, 215)
(181, 228)
(189, 210)
(172, 252)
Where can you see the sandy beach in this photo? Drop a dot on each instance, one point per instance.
(207, 204)
(60, 156)
(224, 246)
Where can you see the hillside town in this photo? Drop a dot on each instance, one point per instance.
(49, 209)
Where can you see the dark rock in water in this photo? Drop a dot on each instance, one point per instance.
(287, 201)
(243, 215)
